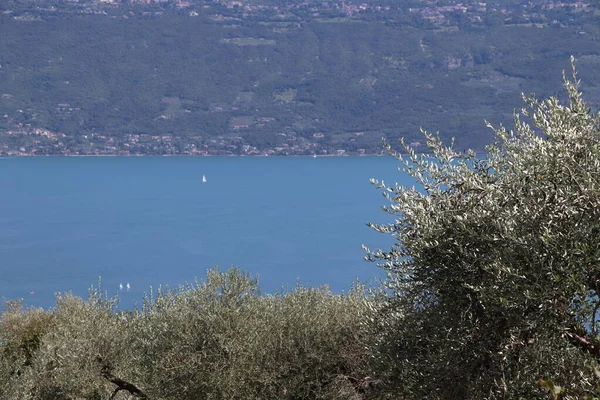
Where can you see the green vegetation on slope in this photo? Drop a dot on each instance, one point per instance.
(105, 80)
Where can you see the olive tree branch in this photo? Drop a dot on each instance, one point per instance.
(106, 372)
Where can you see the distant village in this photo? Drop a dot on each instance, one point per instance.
(44, 142)
(34, 141)
(440, 14)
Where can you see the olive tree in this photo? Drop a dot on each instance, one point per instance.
(495, 273)
(214, 339)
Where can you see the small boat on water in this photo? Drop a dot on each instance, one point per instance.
(203, 178)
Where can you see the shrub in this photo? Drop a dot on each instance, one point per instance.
(218, 339)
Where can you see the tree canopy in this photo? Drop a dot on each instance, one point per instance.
(496, 270)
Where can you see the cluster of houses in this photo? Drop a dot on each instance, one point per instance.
(27, 141)
(436, 11)
(24, 139)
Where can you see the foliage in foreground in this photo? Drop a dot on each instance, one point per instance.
(496, 268)
(214, 340)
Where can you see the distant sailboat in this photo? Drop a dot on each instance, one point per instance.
(203, 178)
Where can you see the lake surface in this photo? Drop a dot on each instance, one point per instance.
(151, 221)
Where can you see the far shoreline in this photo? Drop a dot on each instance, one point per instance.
(191, 155)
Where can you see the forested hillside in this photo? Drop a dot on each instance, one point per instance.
(162, 79)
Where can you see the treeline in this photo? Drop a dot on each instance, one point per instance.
(181, 75)
(218, 339)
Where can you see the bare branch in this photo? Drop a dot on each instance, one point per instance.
(106, 372)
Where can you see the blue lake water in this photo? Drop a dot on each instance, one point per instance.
(149, 221)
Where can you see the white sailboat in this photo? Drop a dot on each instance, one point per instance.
(203, 178)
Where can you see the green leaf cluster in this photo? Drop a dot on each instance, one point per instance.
(217, 339)
(496, 268)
